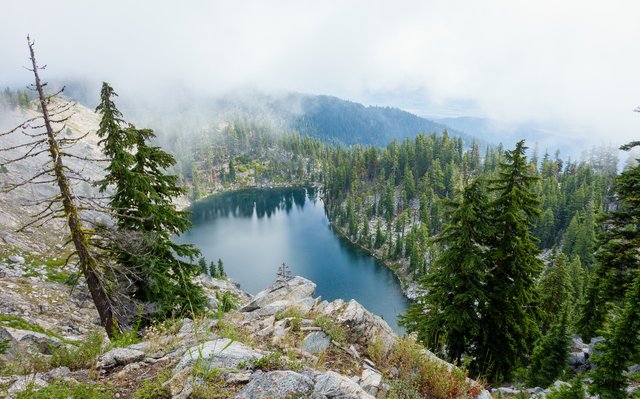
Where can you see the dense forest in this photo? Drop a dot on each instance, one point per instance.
(508, 252)
(448, 217)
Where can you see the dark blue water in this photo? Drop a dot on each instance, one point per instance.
(254, 231)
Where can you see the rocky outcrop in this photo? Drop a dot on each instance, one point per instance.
(218, 354)
(119, 357)
(334, 385)
(277, 384)
(363, 326)
(296, 292)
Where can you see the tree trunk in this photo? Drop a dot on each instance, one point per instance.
(87, 262)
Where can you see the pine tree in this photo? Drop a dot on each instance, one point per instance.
(448, 316)
(143, 203)
(221, 272)
(555, 290)
(510, 317)
(618, 259)
(618, 348)
(550, 354)
(213, 270)
(202, 264)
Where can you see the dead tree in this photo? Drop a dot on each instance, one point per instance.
(65, 204)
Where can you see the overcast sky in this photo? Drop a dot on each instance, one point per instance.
(572, 65)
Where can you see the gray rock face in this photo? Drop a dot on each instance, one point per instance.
(364, 327)
(316, 342)
(219, 353)
(23, 382)
(334, 385)
(297, 291)
(277, 384)
(370, 381)
(17, 259)
(38, 341)
(119, 357)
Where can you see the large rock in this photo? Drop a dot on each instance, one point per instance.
(39, 341)
(370, 381)
(219, 353)
(363, 326)
(277, 384)
(23, 382)
(119, 357)
(16, 259)
(295, 292)
(316, 342)
(334, 385)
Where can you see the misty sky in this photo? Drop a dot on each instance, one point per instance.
(570, 65)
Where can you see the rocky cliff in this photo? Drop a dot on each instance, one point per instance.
(282, 342)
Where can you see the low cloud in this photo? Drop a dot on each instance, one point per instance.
(571, 66)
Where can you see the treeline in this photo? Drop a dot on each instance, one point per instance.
(392, 200)
(20, 98)
(245, 154)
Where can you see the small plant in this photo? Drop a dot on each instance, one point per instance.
(332, 329)
(226, 302)
(273, 361)
(376, 350)
(80, 356)
(400, 389)
(66, 390)
(573, 391)
(4, 346)
(153, 388)
(127, 338)
(293, 312)
(431, 377)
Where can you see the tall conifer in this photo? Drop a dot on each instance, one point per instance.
(448, 316)
(510, 316)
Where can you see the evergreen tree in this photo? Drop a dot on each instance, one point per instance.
(221, 272)
(448, 316)
(618, 259)
(213, 270)
(555, 290)
(620, 345)
(510, 316)
(202, 264)
(143, 203)
(550, 354)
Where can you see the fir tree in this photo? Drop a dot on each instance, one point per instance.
(510, 317)
(618, 348)
(448, 316)
(221, 272)
(143, 203)
(202, 264)
(618, 259)
(555, 290)
(213, 270)
(550, 354)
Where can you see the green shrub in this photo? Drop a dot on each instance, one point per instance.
(573, 391)
(401, 389)
(226, 302)
(376, 350)
(429, 376)
(4, 346)
(332, 329)
(152, 388)
(66, 390)
(80, 356)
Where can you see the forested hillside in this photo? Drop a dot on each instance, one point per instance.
(450, 218)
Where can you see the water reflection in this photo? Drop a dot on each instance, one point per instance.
(255, 230)
(245, 202)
